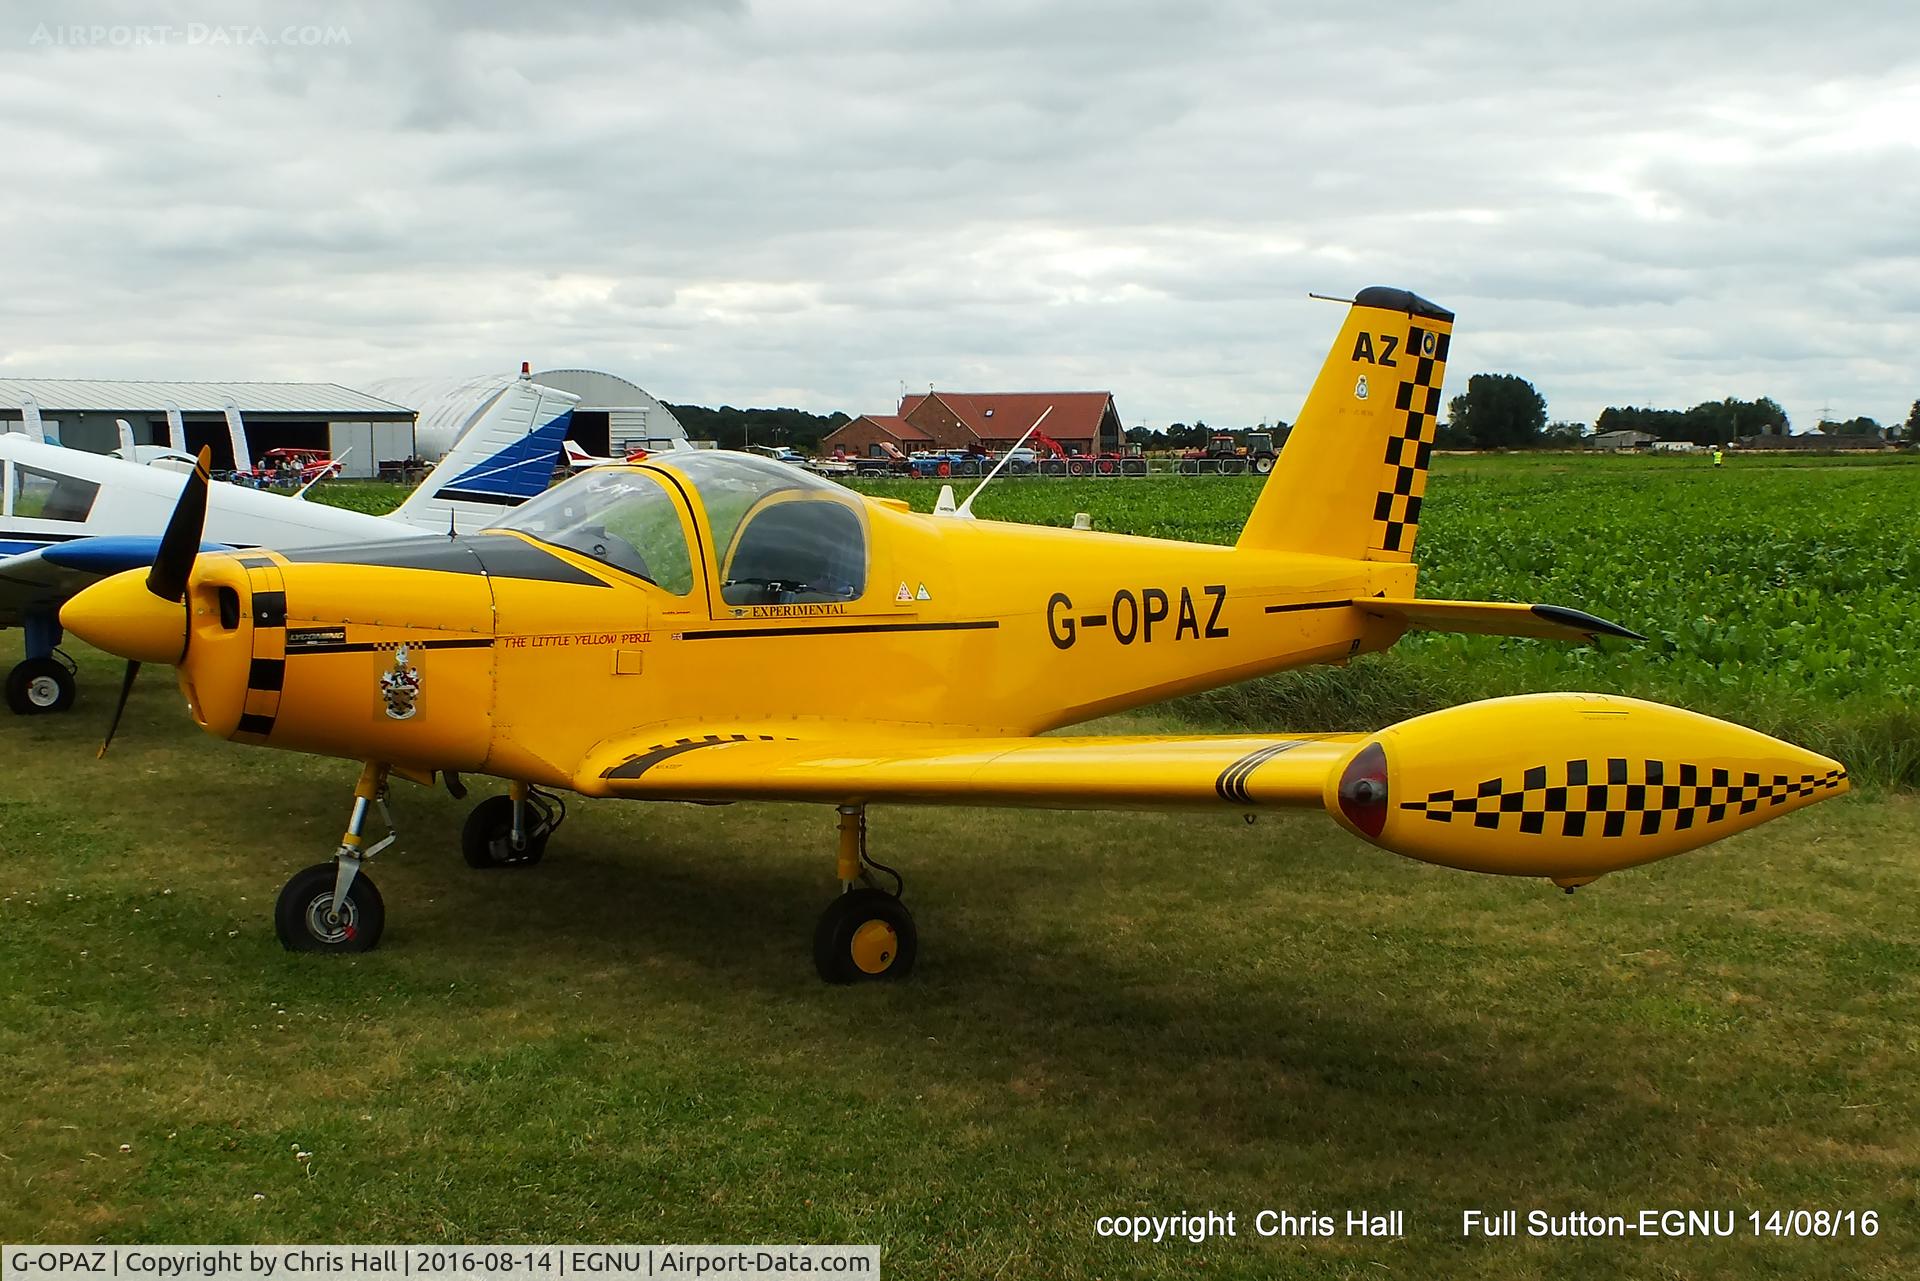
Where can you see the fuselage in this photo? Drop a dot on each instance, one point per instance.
(520, 655)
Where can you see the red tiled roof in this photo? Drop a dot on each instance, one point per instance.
(894, 425)
(1006, 415)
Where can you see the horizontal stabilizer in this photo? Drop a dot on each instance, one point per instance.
(1495, 618)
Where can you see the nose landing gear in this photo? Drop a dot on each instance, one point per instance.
(867, 934)
(333, 907)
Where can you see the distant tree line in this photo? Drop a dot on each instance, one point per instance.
(1497, 411)
(1712, 422)
(1504, 411)
(737, 428)
(1195, 435)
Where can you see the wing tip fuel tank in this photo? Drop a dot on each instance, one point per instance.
(1568, 786)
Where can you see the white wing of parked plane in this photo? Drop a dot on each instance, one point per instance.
(69, 517)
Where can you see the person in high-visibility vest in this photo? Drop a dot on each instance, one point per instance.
(1717, 455)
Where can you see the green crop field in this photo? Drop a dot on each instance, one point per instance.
(1784, 593)
(1111, 1014)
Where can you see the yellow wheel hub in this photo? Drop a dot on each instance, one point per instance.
(874, 947)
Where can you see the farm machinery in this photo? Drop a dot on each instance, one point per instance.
(1041, 453)
(1049, 458)
(1225, 456)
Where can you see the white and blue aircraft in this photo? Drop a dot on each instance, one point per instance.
(69, 517)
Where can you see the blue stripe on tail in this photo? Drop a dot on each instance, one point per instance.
(521, 471)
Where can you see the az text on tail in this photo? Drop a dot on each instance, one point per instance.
(1350, 481)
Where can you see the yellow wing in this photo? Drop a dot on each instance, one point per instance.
(1054, 773)
(1569, 786)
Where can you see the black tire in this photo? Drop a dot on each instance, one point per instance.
(1054, 467)
(1263, 463)
(300, 917)
(1233, 466)
(39, 687)
(1188, 467)
(486, 837)
(845, 950)
(1134, 467)
(1077, 467)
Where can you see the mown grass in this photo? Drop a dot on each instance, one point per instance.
(1111, 1014)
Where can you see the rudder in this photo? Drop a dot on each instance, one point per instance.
(503, 456)
(1352, 476)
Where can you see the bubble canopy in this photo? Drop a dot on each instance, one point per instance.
(779, 535)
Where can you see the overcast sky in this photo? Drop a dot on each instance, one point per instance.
(814, 202)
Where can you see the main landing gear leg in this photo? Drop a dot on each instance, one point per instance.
(511, 830)
(866, 934)
(43, 681)
(332, 907)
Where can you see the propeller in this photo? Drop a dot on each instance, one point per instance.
(172, 566)
(126, 688)
(181, 543)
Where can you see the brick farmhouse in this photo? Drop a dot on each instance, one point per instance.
(1084, 422)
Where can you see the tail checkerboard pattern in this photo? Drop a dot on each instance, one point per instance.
(1396, 509)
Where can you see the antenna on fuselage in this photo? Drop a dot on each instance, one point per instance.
(965, 510)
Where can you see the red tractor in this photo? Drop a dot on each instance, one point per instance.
(1224, 456)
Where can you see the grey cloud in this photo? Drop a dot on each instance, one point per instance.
(822, 200)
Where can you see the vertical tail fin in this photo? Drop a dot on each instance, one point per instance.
(1350, 480)
(237, 436)
(506, 455)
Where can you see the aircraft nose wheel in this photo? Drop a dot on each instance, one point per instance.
(865, 935)
(38, 686)
(305, 920)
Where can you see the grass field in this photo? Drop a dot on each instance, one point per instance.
(1112, 1014)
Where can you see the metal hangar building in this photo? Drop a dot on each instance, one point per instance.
(80, 413)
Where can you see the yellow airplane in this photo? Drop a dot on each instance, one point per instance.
(714, 627)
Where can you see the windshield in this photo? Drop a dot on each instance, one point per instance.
(622, 518)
